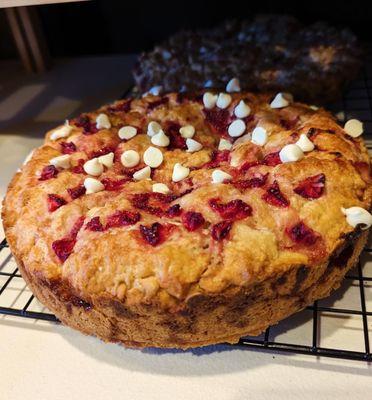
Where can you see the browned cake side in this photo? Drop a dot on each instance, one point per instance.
(207, 262)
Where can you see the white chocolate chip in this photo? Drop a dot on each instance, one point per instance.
(353, 128)
(160, 139)
(187, 131)
(153, 157)
(219, 176)
(209, 100)
(290, 153)
(61, 161)
(103, 122)
(305, 143)
(340, 116)
(62, 132)
(281, 100)
(259, 136)
(242, 110)
(224, 145)
(127, 132)
(313, 107)
(160, 188)
(236, 128)
(357, 216)
(107, 160)
(142, 174)
(233, 85)
(153, 128)
(156, 90)
(208, 83)
(235, 160)
(223, 100)
(93, 185)
(130, 158)
(93, 167)
(179, 172)
(193, 145)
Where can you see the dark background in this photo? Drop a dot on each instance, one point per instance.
(106, 27)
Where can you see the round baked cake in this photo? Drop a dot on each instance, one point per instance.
(189, 219)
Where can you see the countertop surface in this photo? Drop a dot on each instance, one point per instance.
(43, 360)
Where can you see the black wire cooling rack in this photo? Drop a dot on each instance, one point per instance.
(355, 345)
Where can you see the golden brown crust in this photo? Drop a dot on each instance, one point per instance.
(191, 289)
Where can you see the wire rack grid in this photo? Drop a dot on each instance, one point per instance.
(17, 300)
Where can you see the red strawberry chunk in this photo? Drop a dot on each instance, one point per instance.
(217, 158)
(302, 234)
(103, 151)
(271, 159)
(63, 248)
(68, 147)
(48, 172)
(312, 133)
(218, 119)
(274, 196)
(79, 168)
(76, 192)
(176, 140)
(55, 201)
(94, 225)
(248, 120)
(174, 211)
(123, 106)
(113, 185)
(77, 226)
(233, 210)
(248, 165)
(153, 234)
(258, 180)
(89, 128)
(163, 198)
(312, 187)
(192, 220)
(221, 230)
(122, 218)
(141, 201)
(152, 203)
(158, 103)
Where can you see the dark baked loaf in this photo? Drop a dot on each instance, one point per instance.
(270, 53)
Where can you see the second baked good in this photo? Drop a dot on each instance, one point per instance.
(269, 53)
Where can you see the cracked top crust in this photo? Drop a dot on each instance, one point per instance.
(139, 247)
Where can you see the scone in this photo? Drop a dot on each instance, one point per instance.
(275, 53)
(189, 219)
